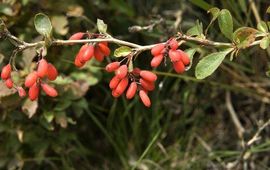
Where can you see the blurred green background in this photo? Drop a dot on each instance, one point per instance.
(189, 125)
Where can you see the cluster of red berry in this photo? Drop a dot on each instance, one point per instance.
(33, 81)
(178, 57)
(131, 81)
(125, 79)
(88, 51)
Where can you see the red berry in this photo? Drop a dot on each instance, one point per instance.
(121, 87)
(33, 92)
(88, 54)
(77, 36)
(21, 92)
(9, 83)
(131, 91)
(115, 94)
(79, 62)
(104, 42)
(42, 68)
(184, 57)
(104, 49)
(179, 67)
(136, 71)
(52, 72)
(121, 72)
(145, 99)
(148, 75)
(99, 56)
(112, 66)
(50, 91)
(114, 82)
(157, 49)
(173, 44)
(149, 86)
(155, 62)
(6, 71)
(31, 79)
(174, 55)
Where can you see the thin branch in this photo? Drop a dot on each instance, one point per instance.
(237, 123)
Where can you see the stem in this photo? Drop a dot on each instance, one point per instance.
(22, 45)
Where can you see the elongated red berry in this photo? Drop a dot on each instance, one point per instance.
(179, 67)
(9, 83)
(173, 44)
(184, 57)
(77, 36)
(114, 82)
(155, 62)
(121, 87)
(144, 98)
(157, 49)
(104, 49)
(174, 55)
(149, 86)
(99, 56)
(6, 71)
(50, 91)
(115, 94)
(136, 71)
(21, 92)
(42, 68)
(52, 72)
(79, 62)
(33, 92)
(131, 91)
(112, 66)
(148, 75)
(121, 72)
(31, 79)
(88, 54)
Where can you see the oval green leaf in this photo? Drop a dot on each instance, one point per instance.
(210, 63)
(122, 51)
(225, 23)
(244, 36)
(102, 27)
(43, 24)
(262, 26)
(265, 42)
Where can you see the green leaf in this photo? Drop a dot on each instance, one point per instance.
(122, 51)
(43, 25)
(215, 13)
(49, 116)
(102, 27)
(225, 23)
(265, 42)
(244, 36)
(210, 63)
(196, 30)
(262, 26)
(202, 4)
(190, 52)
(268, 10)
